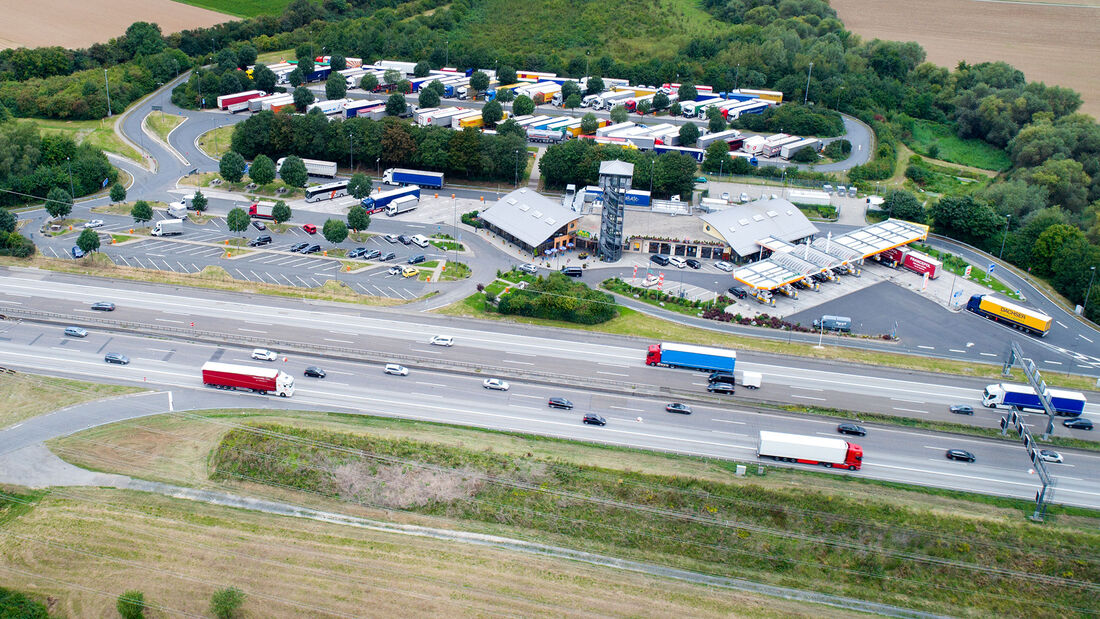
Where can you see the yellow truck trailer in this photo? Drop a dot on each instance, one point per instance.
(1000, 310)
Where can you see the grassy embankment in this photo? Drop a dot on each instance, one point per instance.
(269, 192)
(938, 141)
(216, 142)
(162, 124)
(938, 551)
(98, 133)
(23, 396)
(242, 8)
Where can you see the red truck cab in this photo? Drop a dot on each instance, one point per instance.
(653, 354)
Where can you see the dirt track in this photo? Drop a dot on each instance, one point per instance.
(34, 23)
(1049, 43)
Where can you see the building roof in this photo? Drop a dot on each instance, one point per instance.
(616, 167)
(742, 226)
(528, 216)
(643, 223)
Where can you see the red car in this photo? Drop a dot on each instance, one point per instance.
(310, 228)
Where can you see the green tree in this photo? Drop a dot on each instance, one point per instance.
(131, 605)
(715, 121)
(237, 220)
(198, 201)
(337, 63)
(1065, 180)
(1049, 244)
(491, 113)
(675, 110)
(358, 218)
(336, 86)
(689, 134)
(359, 186)
(687, 92)
(302, 97)
(304, 54)
(717, 158)
(437, 87)
(569, 89)
(966, 219)
(263, 78)
(902, 204)
(226, 60)
(141, 212)
(643, 107)
(58, 202)
(427, 98)
(391, 76)
(589, 123)
(479, 81)
(512, 128)
(395, 105)
(262, 170)
(335, 231)
(1073, 275)
(660, 101)
(506, 75)
(838, 149)
(118, 193)
(806, 155)
(294, 172)
(422, 69)
(594, 86)
(8, 220)
(523, 105)
(368, 82)
(618, 114)
(280, 212)
(225, 602)
(295, 77)
(573, 102)
(231, 167)
(505, 95)
(404, 87)
(88, 241)
(143, 39)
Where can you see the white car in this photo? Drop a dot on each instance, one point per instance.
(726, 196)
(495, 383)
(650, 281)
(396, 370)
(529, 268)
(442, 340)
(677, 262)
(264, 354)
(394, 270)
(722, 265)
(1049, 455)
(94, 223)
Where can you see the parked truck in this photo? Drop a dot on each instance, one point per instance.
(1023, 397)
(400, 176)
(314, 167)
(999, 310)
(258, 380)
(377, 202)
(167, 227)
(828, 452)
(261, 210)
(225, 101)
(915, 261)
(404, 204)
(177, 209)
(704, 358)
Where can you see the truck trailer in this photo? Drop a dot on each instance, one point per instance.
(704, 358)
(258, 380)
(1023, 397)
(314, 167)
(787, 151)
(999, 310)
(400, 176)
(404, 204)
(225, 101)
(167, 227)
(828, 452)
(378, 201)
(261, 210)
(918, 262)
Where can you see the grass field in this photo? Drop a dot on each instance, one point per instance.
(216, 142)
(162, 124)
(23, 396)
(951, 148)
(929, 550)
(98, 133)
(241, 8)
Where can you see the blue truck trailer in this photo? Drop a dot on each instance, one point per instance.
(377, 202)
(687, 356)
(399, 176)
(1023, 397)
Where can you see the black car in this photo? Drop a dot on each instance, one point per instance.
(387, 256)
(259, 225)
(371, 254)
(560, 403)
(738, 292)
(297, 247)
(693, 263)
(315, 372)
(725, 388)
(114, 357)
(851, 428)
(1078, 424)
(594, 419)
(722, 377)
(678, 407)
(312, 249)
(417, 259)
(962, 409)
(263, 239)
(960, 454)
(405, 239)
(357, 252)
(103, 306)
(659, 259)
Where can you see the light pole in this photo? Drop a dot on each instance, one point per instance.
(447, 54)
(1008, 218)
(378, 167)
(806, 95)
(107, 84)
(72, 192)
(517, 170)
(1089, 291)
(821, 338)
(454, 223)
(351, 155)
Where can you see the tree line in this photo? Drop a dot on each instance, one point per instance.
(577, 162)
(33, 164)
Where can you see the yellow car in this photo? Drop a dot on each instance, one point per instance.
(409, 272)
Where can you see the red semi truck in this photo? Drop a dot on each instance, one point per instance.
(918, 262)
(828, 452)
(225, 101)
(261, 210)
(259, 380)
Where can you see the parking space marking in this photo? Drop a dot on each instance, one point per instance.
(243, 276)
(304, 284)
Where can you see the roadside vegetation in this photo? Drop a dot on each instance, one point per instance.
(23, 396)
(162, 124)
(99, 133)
(216, 142)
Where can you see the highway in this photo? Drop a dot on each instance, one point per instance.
(723, 430)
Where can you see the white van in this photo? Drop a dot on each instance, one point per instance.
(420, 240)
(677, 262)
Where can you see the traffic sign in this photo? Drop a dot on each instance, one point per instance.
(989, 271)
(969, 268)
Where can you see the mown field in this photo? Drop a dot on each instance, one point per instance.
(938, 141)
(241, 8)
(943, 552)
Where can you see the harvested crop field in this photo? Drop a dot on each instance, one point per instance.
(80, 24)
(1056, 42)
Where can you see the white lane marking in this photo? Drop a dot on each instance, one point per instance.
(1052, 362)
(250, 330)
(911, 410)
(179, 322)
(807, 397)
(906, 400)
(1084, 338)
(955, 350)
(521, 395)
(611, 373)
(517, 362)
(727, 433)
(740, 423)
(328, 339)
(926, 347)
(987, 354)
(429, 384)
(1060, 324)
(627, 408)
(806, 388)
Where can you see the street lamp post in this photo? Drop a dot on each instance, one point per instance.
(454, 224)
(821, 338)
(806, 95)
(72, 192)
(378, 167)
(351, 153)
(1008, 218)
(517, 170)
(107, 85)
(1089, 291)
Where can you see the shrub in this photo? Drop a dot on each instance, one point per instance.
(558, 297)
